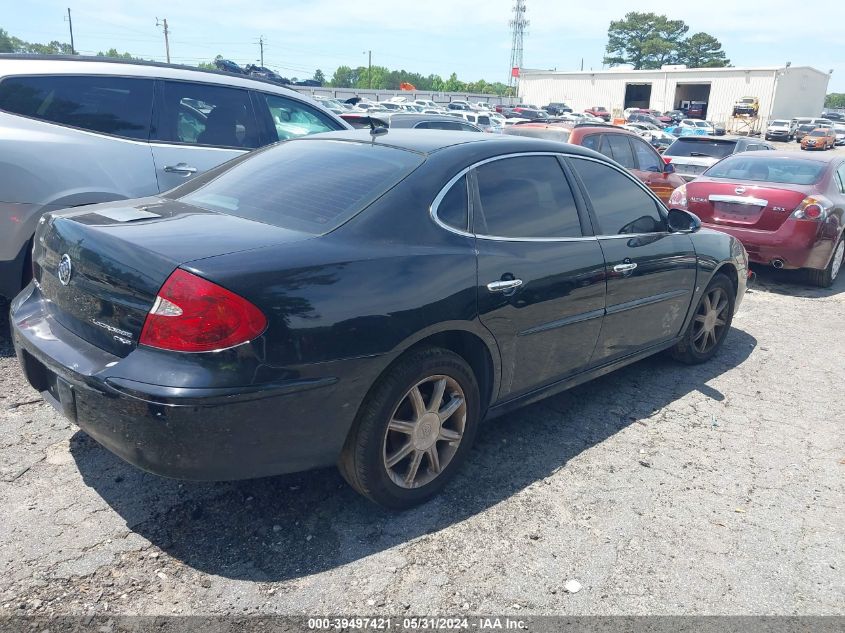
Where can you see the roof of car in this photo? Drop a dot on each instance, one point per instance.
(431, 141)
(61, 64)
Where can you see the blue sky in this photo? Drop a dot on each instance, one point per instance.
(470, 37)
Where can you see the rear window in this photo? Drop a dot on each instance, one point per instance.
(550, 133)
(309, 186)
(111, 105)
(702, 148)
(792, 171)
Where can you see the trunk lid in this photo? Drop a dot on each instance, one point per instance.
(100, 267)
(744, 204)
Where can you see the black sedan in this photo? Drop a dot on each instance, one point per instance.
(363, 300)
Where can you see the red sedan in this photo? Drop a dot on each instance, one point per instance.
(786, 209)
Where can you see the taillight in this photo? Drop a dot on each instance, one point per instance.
(813, 208)
(667, 159)
(192, 314)
(678, 199)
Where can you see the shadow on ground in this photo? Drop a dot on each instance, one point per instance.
(793, 283)
(290, 526)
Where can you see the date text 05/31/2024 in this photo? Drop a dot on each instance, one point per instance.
(417, 624)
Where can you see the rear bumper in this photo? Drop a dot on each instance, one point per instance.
(798, 243)
(221, 433)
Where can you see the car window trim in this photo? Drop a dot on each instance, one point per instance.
(474, 196)
(82, 129)
(662, 209)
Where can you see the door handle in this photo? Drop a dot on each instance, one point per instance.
(621, 268)
(180, 168)
(502, 286)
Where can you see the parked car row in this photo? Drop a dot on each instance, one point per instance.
(360, 298)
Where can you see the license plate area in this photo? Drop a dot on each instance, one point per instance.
(737, 208)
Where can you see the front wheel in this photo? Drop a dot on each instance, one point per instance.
(414, 429)
(710, 323)
(824, 278)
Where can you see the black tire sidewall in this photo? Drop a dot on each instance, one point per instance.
(383, 401)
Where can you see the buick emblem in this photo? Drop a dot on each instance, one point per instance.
(739, 190)
(65, 269)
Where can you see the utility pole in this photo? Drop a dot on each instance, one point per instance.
(163, 23)
(261, 46)
(370, 69)
(70, 24)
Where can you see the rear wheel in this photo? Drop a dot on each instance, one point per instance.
(414, 430)
(709, 325)
(824, 278)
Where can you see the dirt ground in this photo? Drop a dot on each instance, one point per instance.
(661, 489)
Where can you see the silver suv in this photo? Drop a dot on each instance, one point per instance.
(77, 131)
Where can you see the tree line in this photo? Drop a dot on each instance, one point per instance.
(382, 78)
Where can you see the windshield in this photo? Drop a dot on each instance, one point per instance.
(807, 128)
(700, 147)
(779, 123)
(702, 124)
(793, 171)
(818, 133)
(286, 185)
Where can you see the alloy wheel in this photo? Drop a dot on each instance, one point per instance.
(710, 320)
(425, 431)
(838, 256)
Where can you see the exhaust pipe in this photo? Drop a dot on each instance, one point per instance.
(777, 263)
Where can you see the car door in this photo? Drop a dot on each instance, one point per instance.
(651, 272)
(199, 126)
(541, 273)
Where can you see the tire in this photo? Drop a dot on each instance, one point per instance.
(824, 278)
(691, 349)
(379, 434)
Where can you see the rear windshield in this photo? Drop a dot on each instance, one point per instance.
(551, 133)
(309, 186)
(705, 148)
(792, 171)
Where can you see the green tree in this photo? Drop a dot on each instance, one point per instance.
(344, 77)
(209, 65)
(835, 100)
(319, 76)
(10, 44)
(453, 84)
(702, 51)
(115, 54)
(644, 40)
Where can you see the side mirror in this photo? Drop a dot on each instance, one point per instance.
(668, 168)
(681, 221)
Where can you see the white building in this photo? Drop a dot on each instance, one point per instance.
(784, 91)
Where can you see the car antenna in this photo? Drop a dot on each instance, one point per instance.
(376, 131)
